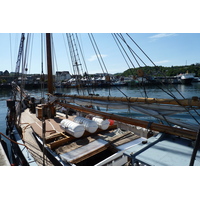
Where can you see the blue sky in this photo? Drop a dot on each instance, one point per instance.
(166, 49)
(169, 35)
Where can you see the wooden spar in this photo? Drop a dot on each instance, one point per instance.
(181, 102)
(145, 124)
(49, 63)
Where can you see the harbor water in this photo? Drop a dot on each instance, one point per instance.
(187, 91)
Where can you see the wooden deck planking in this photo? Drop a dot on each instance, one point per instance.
(123, 138)
(82, 153)
(65, 143)
(30, 141)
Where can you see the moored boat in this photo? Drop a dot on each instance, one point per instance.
(187, 78)
(72, 130)
(196, 79)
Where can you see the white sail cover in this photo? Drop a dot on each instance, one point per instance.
(90, 126)
(102, 124)
(72, 128)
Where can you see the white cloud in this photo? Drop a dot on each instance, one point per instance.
(161, 35)
(162, 61)
(94, 57)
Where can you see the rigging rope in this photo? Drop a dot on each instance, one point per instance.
(32, 38)
(96, 53)
(99, 54)
(113, 35)
(81, 50)
(87, 75)
(54, 56)
(140, 84)
(131, 51)
(75, 61)
(42, 70)
(67, 51)
(26, 54)
(169, 92)
(10, 50)
(13, 140)
(140, 48)
(54, 62)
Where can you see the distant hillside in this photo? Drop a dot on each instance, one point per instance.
(167, 71)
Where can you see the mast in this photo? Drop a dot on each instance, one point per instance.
(49, 63)
(20, 54)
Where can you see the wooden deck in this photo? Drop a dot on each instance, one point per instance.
(67, 146)
(29, 139)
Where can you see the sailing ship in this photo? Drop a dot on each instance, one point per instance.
(71, 130)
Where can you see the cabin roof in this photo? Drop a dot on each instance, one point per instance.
(164, 150)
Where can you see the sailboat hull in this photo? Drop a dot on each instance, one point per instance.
(187, 81)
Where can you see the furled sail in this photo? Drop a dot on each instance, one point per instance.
(156, 110)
